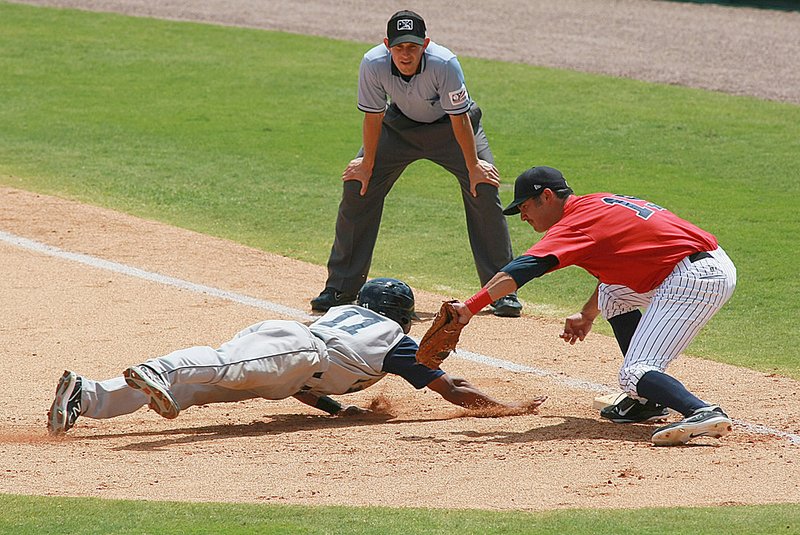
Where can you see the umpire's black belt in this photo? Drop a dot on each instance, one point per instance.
(475, 115)
(694, 257)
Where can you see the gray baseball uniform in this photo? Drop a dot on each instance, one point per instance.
(416, 126)
(343, 351)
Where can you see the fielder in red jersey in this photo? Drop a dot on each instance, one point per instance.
(644, 257)
(621, 240)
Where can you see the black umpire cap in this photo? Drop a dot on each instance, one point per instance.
(532, 183)
(405, 27)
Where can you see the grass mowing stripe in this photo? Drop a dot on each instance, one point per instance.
(243, 133)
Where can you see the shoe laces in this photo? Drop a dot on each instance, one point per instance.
(710, 408)
(626, 402)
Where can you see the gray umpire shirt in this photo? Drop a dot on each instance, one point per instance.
(438, 87)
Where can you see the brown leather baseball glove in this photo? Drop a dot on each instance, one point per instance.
(441, 338)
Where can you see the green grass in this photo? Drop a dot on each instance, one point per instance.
(243, 134)
(37, 515)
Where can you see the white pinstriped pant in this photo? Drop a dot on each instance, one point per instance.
(675, 312)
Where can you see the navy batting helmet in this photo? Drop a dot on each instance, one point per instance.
(389, 297)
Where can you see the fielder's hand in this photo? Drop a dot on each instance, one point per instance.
(464, 314)
(576, 327)
(441, 337)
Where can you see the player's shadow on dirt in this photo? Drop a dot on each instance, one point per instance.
(567, 428)
(274, 425)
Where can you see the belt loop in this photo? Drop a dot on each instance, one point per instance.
(694, 257)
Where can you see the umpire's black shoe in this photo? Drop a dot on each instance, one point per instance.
(631, 411)
(507, 307)
(331, 297)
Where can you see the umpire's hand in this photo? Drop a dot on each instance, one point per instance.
(483, 173)
(356, 170)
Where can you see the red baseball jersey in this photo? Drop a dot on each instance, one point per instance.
(621, 240)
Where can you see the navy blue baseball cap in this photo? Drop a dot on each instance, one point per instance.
(405, 27)
(532, 183)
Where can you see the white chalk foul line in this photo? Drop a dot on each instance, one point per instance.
(578, 384)
(116, 267)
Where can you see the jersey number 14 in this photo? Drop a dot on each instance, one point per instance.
(641, 211)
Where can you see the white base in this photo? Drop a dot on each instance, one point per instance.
(601, 402)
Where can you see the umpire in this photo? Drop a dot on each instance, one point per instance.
(416, 106)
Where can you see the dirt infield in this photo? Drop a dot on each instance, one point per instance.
(60, 313)
(63, 314)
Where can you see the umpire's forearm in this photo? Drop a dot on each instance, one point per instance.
(462, 130)
(371, 134)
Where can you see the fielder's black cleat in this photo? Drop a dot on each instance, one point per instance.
(507, 307)
(331, 297)
(631, 411)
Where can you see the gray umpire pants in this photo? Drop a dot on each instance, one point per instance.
(403, 142)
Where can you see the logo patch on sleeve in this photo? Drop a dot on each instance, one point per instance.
(457, 98)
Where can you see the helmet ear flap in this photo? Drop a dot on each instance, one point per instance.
(388, 297)
(405, 323)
